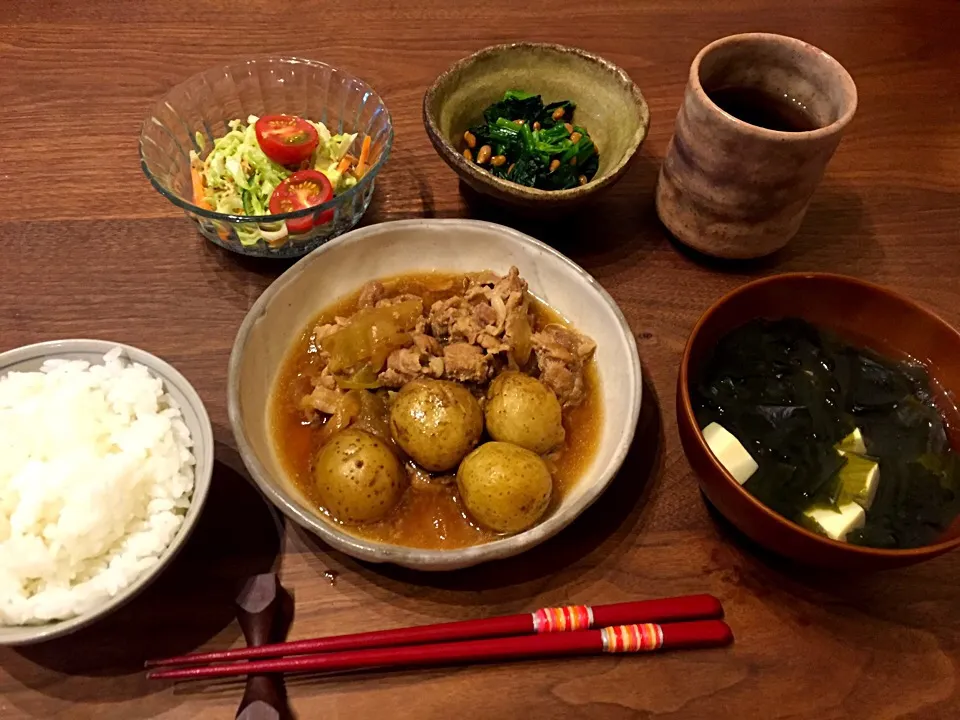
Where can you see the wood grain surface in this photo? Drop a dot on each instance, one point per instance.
(89, 249)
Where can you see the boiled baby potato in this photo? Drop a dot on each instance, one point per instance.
(504, 487)
(358, 477)
(436, 422)
(523, 411)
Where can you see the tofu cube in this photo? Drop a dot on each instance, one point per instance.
(836, 523)
(731, 454)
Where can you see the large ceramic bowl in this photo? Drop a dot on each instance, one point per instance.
(31, 357)
(609, 105)
(280, 315)
(870, 315)
(196, 112)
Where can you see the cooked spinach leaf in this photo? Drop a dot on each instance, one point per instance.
(515, 105)
(534, 148)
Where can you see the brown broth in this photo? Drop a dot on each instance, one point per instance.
(430, 518)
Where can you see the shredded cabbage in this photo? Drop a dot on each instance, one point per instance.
(239, 178)
(328, 155)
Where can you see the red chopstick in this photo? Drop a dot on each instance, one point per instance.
(621, 639)
(577, 617)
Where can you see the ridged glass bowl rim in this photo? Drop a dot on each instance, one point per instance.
(265, 219)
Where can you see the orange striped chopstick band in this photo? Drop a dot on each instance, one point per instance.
(644, 637)
(563, 619)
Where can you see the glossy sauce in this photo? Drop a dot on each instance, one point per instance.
(432, 516)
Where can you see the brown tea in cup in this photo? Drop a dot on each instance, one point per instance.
(763, 109)
(762, 116)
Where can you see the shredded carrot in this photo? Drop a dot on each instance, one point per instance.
(199, 197)
(351, 158)
(197, 182)
(344, 165)
(364, 157)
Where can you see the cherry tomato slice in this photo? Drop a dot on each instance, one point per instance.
(303, 189)
(286, 139)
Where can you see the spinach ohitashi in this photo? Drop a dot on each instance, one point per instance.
(532, 144)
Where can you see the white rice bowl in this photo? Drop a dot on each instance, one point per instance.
(96, 476)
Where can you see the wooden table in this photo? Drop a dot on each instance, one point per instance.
(89, 249)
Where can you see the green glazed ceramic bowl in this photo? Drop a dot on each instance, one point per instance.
(609, 105)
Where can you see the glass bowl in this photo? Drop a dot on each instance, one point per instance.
(196, 112)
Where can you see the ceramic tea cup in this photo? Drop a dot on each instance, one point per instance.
(761, 117)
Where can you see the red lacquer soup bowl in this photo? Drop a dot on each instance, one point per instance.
(866, 315)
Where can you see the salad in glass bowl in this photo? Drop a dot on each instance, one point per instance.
(269, 157)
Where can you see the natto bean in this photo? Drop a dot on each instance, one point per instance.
(483, 154)
(470, 139)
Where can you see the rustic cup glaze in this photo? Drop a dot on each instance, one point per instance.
(731, 189)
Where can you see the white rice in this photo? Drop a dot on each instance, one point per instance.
(96, 475)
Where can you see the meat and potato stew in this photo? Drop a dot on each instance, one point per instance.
(438, 410)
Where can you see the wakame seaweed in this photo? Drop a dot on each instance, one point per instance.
(790, 393)
(532, 144)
